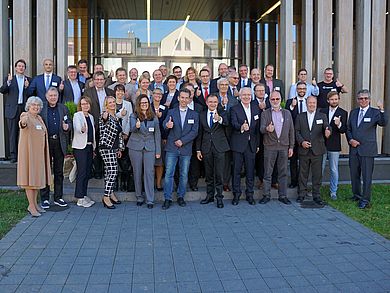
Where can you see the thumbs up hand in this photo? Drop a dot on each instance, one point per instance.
(9, 77)
(84, 128)
(294, 102)
(327, 132)
(270, 128)
(313, 81)
(123, 112)
(379, 105)
(216, 117)
(26, 83)
(245, 126)
(105, 115)
(262, 105)
(138, 124)
(170, 123)
(65, 126)
(337, 120)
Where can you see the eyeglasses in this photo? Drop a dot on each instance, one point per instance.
(363, 98)
(204, 76)
(223, 84)
(235, 77)
(275, 99)
(301, 89)
(143, 103)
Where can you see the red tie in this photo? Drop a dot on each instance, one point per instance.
(206, 92)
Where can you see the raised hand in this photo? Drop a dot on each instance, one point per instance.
(337, 120)
(245, 126)
(313, 81)
(9, 77)
(262, 105)
(379, 104)
(65, 126)
(327, 132)
(216, 116)
(105, 115)
(123, 112)
(138, 124)
(270, 127)
(26, 83)
(170, 123)
(338, 83)
(294, 102)
(84, 128)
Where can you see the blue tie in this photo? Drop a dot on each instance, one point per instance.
(47, 82)
(360, 118)
(211, 119)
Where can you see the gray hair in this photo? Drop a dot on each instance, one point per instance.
(34, 100)
(221, 80)
(52, 89)
(364, 92)
(244, 89)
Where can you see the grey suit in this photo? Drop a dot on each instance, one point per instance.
(144, 144)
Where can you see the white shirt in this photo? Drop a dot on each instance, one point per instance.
(214, 120)
(304, 108)
(191, 105)
(364, 110)
(45, 78)
(101, 96)
(76, 90)
(20, 81)
(331, 113)
(247, 113)
(310, 119)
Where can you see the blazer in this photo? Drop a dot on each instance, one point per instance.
(37, 85)
(238, 139)
(187, 134)
(287, 136)
(147, 137)
(333, 143)
(80, 138)
(277, 86)
(152, 86)
(174, 101)
(249, 83)
(67, 94)
(315, 136)
(214, 86)
(366, 132)
(11, 93)
(200, 99)
(95, 107)
(125, 119)
(64, 116)
(164, 110)
(212, 136)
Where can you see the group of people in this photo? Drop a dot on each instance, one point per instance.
(184, 126)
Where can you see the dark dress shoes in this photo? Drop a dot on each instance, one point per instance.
(250, 200)
(207, 200)
(363, 204)
(235, 200)
(264, 200)
(139, 203)
(111, 207)
(219, 203)
(159, 188)
(149, 205)
(181, 202)
(167, 204)
(355, 198)
(319, 201)
(115, 201)
(284, 200)
(13, 160)
(300, 199)
(292, 185)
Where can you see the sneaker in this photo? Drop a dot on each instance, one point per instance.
(82, 202)
(45, 204)
(87, 199)
(60, 202)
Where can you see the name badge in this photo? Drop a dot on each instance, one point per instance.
(277, 88)
(54, 83)
(151, 129)
(367, 119)
(256, 117)
(191, 121)
(65, 117)
(162, 107)
(38, 127)
(319, 121)
(333, 90)
(282, 120)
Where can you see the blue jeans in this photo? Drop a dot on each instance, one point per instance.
(333, 158)
(170, 165)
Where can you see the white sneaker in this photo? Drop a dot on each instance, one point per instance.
(83, 203)
(87, 199)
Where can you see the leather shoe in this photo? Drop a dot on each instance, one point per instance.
(159, 188)
(364, 204)
(292, 185)
(250, 200)
(98, 176)
(300, 199)
(115, 202)
(219, 203)
(226, 188)
(111, 207)
(167, 204)
(207, 200)
(264, 200)
(181, 202)
(149, 205)
(139, 203)
(355, 198)
(284, 200)
(319, 201)
(235, 200)
(194, 188)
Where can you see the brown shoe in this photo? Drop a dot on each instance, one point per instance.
(226, 188)
(275, 186)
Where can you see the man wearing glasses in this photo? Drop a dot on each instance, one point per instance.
(279, 139)
(361, 136)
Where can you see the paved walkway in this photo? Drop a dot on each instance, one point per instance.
(272, 248)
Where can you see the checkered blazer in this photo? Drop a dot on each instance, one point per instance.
(108, 131)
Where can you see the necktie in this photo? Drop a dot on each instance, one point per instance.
(206, 92)
(243, 83)
(300, 106)
(360, 118)
(47, 83)
(211, 119)
(233, 90)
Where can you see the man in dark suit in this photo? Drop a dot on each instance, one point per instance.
(182, 125)
(204, 88)
(272, 84)
(233, 85)
(244, 81)
(83, 75)
(211, 146)
(296, 106)
(361, 136)
(279, 139)
(73, 88)
(15, 89)
(97, 94)
(337, 118)
(222, 73)
(58, 123)
(41, 83)
(311, 129)
(158, 82)
(245, 121)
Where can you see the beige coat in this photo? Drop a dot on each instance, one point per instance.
(33, 154)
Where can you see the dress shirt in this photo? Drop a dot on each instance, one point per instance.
(331, 114)
(76, 90)
(45, 78)
(101, 96)
(244, 82)
(183, 113)
(304, 108)
(160, 86)
(53, 121)
(247, 113)
(310, 119)
(311, 90)
(191, 105)
(215, 121)
(20, 80)
(270, 84)
(277, 120)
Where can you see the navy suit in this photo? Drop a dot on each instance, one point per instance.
(13, 110)
(361, 158)
(174, 102)
(244, 146)
(248, 84)
(37, 86)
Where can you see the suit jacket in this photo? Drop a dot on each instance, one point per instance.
(213, 86)
(80, 138)
(11, 93)
(67, 94)
(287, 136)
(64, 116)
(277, 86)
(95, 107)
(212, 136)
(200, 99)
(187, 134)
(174, 101)
(153, 85)
(333, 143)
(294, 112)
(238, 139)
(37, 85)
(147, 137)
(315, 136)
(366, 132)
(249, 84)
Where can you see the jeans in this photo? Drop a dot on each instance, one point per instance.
(170, 165)
(333, 158)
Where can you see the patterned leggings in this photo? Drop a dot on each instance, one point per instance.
(110, 170)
